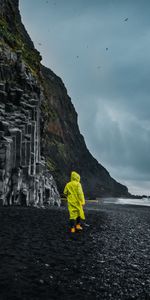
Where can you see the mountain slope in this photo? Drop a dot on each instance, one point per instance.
(61, 141)
(64, 146)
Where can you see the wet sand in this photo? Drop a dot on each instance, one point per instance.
(40, 259)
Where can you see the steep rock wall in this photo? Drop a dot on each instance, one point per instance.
(61, 142)
(24, 178)
(64, 146)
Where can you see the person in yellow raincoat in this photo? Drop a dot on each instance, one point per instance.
(75, 197)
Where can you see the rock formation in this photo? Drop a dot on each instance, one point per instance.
(24, 178)
(38, 118)
(64, 146)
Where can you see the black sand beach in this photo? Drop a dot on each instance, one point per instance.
(40, 259)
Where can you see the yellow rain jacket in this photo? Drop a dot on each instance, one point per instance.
(75, 196)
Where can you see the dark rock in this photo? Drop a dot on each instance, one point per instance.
(3, 96)
(9, 107)
(24, 179)
(2, 86)
(47, 115)
(65, 147)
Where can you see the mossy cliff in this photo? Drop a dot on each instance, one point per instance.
(61, 141)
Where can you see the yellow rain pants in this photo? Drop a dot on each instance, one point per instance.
(75, 196)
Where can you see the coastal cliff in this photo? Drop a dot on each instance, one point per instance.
(38, 95)
(24, 177)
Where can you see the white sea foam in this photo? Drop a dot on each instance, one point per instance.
(143, 202)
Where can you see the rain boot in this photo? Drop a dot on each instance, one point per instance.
(72, 226)
(78, 224)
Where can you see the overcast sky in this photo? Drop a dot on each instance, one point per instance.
(101, 50)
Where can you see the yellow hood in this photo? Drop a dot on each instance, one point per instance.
(75, 176)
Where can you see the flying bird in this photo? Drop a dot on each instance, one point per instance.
(106, 49)
(126, 19)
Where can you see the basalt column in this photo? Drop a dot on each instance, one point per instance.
(24, 178)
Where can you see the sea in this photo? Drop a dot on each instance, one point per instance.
(125, 201)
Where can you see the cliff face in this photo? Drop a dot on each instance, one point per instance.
(61, 142)
(64, 146)
(24, 178)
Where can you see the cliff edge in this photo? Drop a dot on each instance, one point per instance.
(62, 144)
